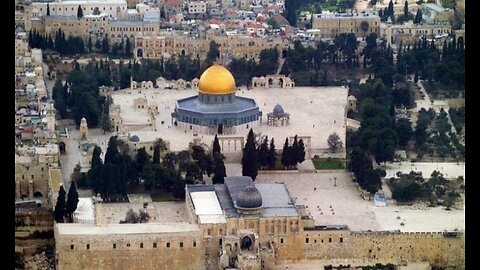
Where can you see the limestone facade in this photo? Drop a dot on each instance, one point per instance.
(156, 47)
(332, 25)
(275, 81)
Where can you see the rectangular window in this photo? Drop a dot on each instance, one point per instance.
(306, 240)
(330, 240)
(154, 245)
(71, 246)
(341, 239)
(168, 245)
(141, 245)
(32, 176)
(194, 244)
(88, 246)
(128, 245)
(181, 244)
(281, 240)
(114, 246)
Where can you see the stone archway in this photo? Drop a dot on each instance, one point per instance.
(62, 147)
(246, 242)
(139, 53)
(284, 54)
(38, 194)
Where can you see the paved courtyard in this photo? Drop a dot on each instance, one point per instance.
(448, 169)
(342, 204)
(75, 155)
(112, 213)
(314, 111)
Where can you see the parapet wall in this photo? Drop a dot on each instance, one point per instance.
(183, 250)
(385, 247)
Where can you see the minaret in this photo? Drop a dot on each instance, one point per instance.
(83, 129)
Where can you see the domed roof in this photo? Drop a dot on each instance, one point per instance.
(134, 138)
(278, 109)
(216, 80)
(249, 197)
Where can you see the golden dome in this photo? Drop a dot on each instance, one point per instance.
(216, 80)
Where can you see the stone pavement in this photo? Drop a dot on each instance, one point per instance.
(314, 111)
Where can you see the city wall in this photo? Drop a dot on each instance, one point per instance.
(130, 251)
(384, 247)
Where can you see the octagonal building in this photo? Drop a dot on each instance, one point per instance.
(216, 109)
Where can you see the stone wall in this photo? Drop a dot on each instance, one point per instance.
(384, 247)
(131, 251)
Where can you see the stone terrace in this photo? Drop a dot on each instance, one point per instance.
(314, 111)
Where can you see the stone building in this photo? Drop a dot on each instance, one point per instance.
(238, 46)
(216, 109)
(70, 7)
(32, 170)
(278, 117)
(244, 225)
(352, 103)
(408, 33)
(332, 25)
(276, 81)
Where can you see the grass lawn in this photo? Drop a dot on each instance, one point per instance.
(161, 197)
(329, 164)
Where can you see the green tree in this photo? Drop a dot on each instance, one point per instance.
(418, 16)
(404, 131)
(112, 155)
(61, 206)
(96, 159)
(79, 12)
(220, 170)
(334, 142)
(390, 11)
(48, 9)
(213, 53)
(216, 146)
(141, 159)
(406, 14)
(250, 157)
(286, 157)
(263, 153)
(301, 151)
(128, 48)
(271, 155)
(364, 26)
(105, 45)
(72, 199)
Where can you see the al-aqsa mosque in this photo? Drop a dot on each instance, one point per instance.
(216, 109)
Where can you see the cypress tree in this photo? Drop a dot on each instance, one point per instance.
(72, 199)
(250, 157)
(271, 155)
(112, 154)
(390, 11)
(286, 154)
(263, 152)
(301, 151)
(48, 9)
(79, 12)
(220, 171)
(128, 47)
(216, 146)
(405, 10)
(294, 152)
(61, 206)
(96, 160)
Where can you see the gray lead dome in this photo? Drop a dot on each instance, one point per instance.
(249, 198)
(278, 109)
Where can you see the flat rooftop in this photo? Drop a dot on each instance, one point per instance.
(207, 207)
(87, 229)
(113, 213)
(194, 105)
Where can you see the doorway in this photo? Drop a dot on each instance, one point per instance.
(220, 129)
